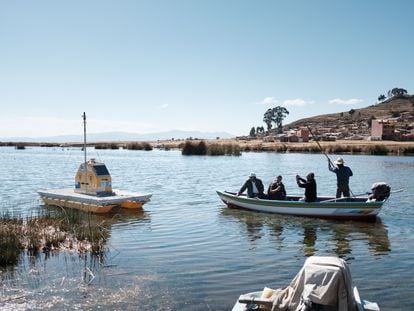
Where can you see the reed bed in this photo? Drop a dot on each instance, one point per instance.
(194, 148)
(139, 146)
(112, 146)
(223, 149)
(10, 243)
(255, 147)
(341, 147)
(20, 147)
(377, 150)
(213, 149)
(407, 151)
(62, 229)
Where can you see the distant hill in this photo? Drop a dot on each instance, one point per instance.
(122, 136)
(358, 121)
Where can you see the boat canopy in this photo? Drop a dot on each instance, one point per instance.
(322, 281)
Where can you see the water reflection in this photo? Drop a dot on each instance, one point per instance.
(309, 239)
(314, 235)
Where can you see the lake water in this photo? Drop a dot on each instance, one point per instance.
(187, 251)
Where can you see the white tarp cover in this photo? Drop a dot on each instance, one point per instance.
(322, 280)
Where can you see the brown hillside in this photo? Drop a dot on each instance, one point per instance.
(358, 121)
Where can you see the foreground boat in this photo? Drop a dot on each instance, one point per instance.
(323, 283)
(358, 208)
(93, 190)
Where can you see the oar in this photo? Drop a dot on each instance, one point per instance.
(344, 198)
(357, 195)
(336, 199)
(320, 147)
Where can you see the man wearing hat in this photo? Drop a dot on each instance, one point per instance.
(254, 187)
(342, 177)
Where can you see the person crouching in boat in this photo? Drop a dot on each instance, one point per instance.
(310, 187)
(254, 187)
(276, 190)
(342, 177)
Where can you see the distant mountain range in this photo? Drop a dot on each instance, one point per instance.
(121, 136)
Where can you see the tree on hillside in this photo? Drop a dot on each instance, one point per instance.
(397, 92)
(275, 115)
(381, 97)
(259, 129)
(252, 132)
(351, 112)
(267, 118)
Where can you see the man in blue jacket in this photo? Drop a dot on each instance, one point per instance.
(342, 177)
(254, 187)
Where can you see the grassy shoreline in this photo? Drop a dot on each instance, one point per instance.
(255, 145)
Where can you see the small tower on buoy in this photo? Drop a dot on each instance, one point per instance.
(95, 179)
(92, 177)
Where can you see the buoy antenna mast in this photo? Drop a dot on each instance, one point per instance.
(84, 148)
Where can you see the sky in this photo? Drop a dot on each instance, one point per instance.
(213, 65)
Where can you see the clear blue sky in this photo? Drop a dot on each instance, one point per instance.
(216, 65)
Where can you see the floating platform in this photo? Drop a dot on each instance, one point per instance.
(68, 198)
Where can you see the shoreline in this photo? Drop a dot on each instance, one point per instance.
(384, 147)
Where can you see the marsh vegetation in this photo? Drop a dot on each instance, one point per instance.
(54, 230)
(212, 149)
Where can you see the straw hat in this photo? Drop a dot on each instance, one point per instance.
(339, 161)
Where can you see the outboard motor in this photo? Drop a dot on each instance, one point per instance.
(380, 191)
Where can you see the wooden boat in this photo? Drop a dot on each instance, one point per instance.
(358, 208)
(93, 190)
(323, 283)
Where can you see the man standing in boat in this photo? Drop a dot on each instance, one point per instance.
(254, 187)
(310, 187)
(342, 177)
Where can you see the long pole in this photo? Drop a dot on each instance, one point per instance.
(84, 149)
(320, 147)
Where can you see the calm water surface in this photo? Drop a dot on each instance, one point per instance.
(186, 250)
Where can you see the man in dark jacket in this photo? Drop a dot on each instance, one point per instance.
(276, 190)
(342, 177)
(254, 187)
(310, 187)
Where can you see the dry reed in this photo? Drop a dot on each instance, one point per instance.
(61, 229)
(139, 146)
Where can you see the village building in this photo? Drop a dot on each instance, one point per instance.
(383, 129)
(387, 130)
(303, 135)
